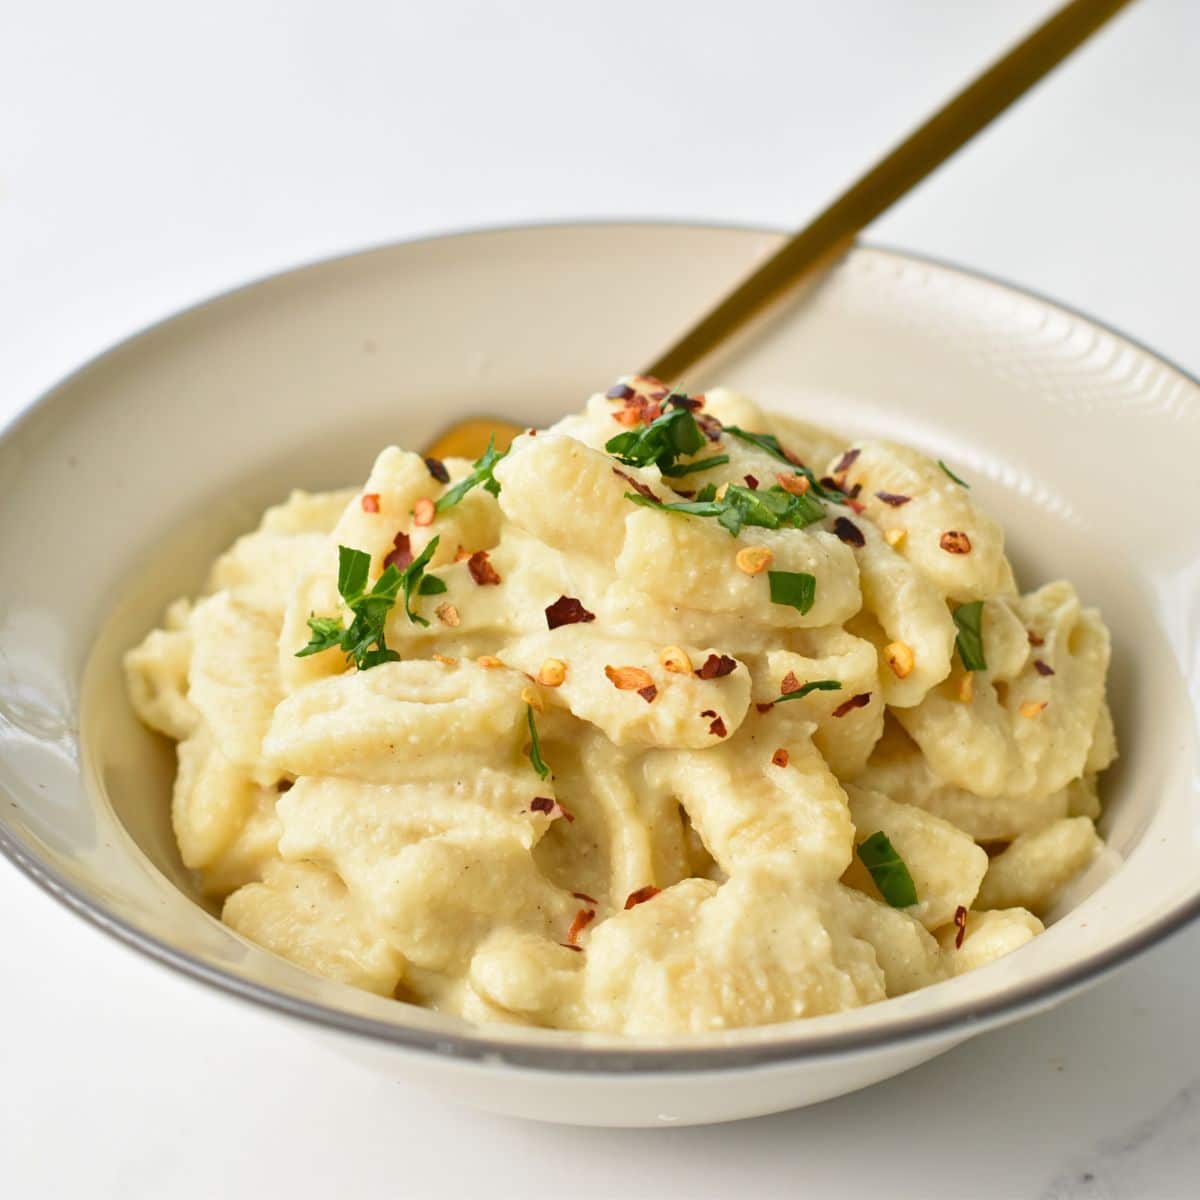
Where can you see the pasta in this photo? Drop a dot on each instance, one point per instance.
(642, 726)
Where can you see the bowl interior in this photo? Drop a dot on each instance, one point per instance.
(122, 484)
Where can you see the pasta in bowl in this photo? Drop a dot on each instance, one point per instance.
(677, 716)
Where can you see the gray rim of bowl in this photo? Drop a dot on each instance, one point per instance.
(963, 1020)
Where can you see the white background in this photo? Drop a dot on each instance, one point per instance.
(151, 154)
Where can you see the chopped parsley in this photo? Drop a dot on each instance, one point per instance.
(888, 871)
(363, 640)
(952, 475)
(814, 685)
(535, 746)
(738, 506)
(415, 582)
(770, 443)
(968, 619)
(797, 589)
(480, 476)
(662, 443)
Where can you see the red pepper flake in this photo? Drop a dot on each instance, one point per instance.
(797, 485)
(717, 665)
(751, 483)
(849, 533)
(284, 785)
(954, 541)
(709, 426)
(895, 499)
(370, 502)
(854, 492)
(641, 896)
(566, 610)
(781, 758)
(765, 708)
(680, 400)
(685, 495)
(960, 924)
(717, 725)
(1034, 639)
(629, 679)
(400, 555)
(648, 693)
(828, 481)
(859, 701)
(789, 684)
(1042, 668)
(481, 569)
(846, 461)
(552, 808)
(636, 484)
(655, 388)
(585, 897)
(857, 505)
(437, 469)
(577, 949)
(583, 918)
(619, 391)
(424, 511)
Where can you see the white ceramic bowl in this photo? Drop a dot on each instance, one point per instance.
(121, 484)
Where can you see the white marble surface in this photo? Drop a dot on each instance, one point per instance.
(151, 158)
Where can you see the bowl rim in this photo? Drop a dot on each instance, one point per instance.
(952, 1023)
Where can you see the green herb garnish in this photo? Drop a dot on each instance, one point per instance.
(363, 641)
(770, 443)
(814, 685)
(772, 508)
(888, 871)
(480, 476)
(415, 582)
(968, 619)
(662, 443)
(952, 475)
(795, 588)
(535, 746)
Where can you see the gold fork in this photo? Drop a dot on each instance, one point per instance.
(826, 238)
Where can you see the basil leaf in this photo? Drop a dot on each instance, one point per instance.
(660, 443)
(694, 508)
(952, 475)
(968, 619)
(739, 506)
(815, 685)
(795, 588)
(326, 633)
(480, 476)
(535, 746)
(770, 443)
(888, 871)
(432, 585)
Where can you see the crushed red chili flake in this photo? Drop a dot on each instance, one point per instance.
(751, 483)
(437, 469)
(765, 708)
(653, 387)
(641, 896)
(717, 725)
(585, 897)
(619, 391)
(854, 492)
(895, 499)
(709, 426)
(685, 495)
(859, 701)
(1042, 668)
(567, 946)
(583, 918)
(552, 808)
(828, 481)
(566, 610)
(400, 555)
(636, 484)
(960, 925)
(648, 693)
(284, 785)
(789, 684)
(717, 665)
(691, 403)
(781, 758)
(370, 502)
(482, 571)
(1034, 639)
(849, 533)
(847, 461)
(954, 541)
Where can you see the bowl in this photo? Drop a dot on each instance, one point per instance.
(122, 483)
